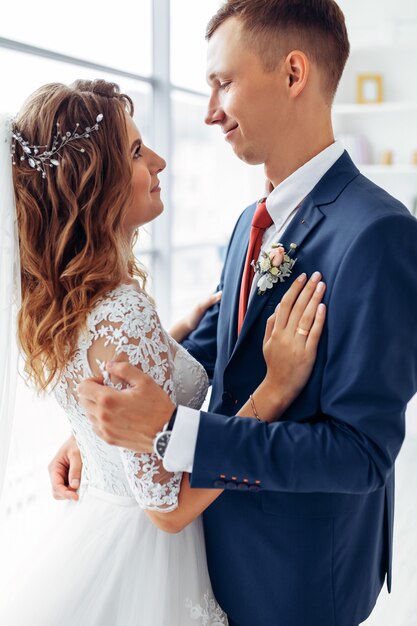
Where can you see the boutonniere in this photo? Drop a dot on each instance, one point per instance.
(274, 266)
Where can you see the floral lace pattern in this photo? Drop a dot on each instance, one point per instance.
(208, 615)
(143, 471)
(125, 322)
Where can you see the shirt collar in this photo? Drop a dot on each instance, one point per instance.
(282, 200)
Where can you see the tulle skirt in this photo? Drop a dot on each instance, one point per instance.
(105, 564)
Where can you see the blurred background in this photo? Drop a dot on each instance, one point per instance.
(155, 50)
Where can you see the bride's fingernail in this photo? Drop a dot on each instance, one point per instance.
(302, 278)
(316, 277)
(321, 308)
(75, 483)
(320, 287)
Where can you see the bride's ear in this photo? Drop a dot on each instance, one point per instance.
(297, 69)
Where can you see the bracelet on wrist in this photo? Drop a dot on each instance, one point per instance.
(254, 411)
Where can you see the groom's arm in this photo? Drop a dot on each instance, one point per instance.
(370, 375)
(202, 342)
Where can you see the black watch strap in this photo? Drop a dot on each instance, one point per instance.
(172, 420)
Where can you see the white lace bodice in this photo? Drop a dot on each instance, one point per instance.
(125, 322)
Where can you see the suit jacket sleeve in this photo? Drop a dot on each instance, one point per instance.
(202, 342)
(369, 375)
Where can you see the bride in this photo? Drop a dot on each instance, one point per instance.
(84, 182)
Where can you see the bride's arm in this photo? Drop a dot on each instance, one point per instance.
(290, 357)
(126, 328)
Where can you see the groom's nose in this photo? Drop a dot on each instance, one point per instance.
(215, 113)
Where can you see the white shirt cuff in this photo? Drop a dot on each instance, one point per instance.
(179, 455)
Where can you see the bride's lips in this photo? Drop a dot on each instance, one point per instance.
(156, 188)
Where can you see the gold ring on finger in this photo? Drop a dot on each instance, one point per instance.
(301, 331)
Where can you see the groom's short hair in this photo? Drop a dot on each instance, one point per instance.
(275, 27)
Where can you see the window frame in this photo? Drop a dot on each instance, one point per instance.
(161, 134)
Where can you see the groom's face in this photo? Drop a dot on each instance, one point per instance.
(250, 104)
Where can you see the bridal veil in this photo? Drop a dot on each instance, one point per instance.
(10, 294)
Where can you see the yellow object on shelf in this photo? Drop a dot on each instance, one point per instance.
(369, 89)
(387, 157)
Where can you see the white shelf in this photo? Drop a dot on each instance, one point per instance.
(383, 107)
(388, 169)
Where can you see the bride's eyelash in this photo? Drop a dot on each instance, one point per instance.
(137, 153)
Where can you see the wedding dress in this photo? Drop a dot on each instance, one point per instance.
(107, 564)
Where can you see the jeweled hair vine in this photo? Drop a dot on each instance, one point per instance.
(41, 157)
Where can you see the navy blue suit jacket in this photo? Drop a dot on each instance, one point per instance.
(302, 535)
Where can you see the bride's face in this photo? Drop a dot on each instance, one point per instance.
(145, 204)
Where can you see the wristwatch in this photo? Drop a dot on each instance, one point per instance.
(161, 441)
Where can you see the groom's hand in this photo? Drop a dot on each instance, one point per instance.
(129, 418)
(65, 471)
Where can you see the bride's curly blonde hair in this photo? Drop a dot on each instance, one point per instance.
(72, 249)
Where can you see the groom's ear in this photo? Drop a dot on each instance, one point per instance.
(297, 68)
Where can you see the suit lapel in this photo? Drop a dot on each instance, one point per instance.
(304, 222)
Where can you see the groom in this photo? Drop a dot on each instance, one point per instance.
(302, 535)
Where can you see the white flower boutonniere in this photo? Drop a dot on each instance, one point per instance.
(274, 266)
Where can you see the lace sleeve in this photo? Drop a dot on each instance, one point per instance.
(125, 326)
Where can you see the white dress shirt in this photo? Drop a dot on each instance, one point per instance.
(282, 204)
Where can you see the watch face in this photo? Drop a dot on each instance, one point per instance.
(161, 444)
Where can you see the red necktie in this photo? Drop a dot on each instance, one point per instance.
(260, 222)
